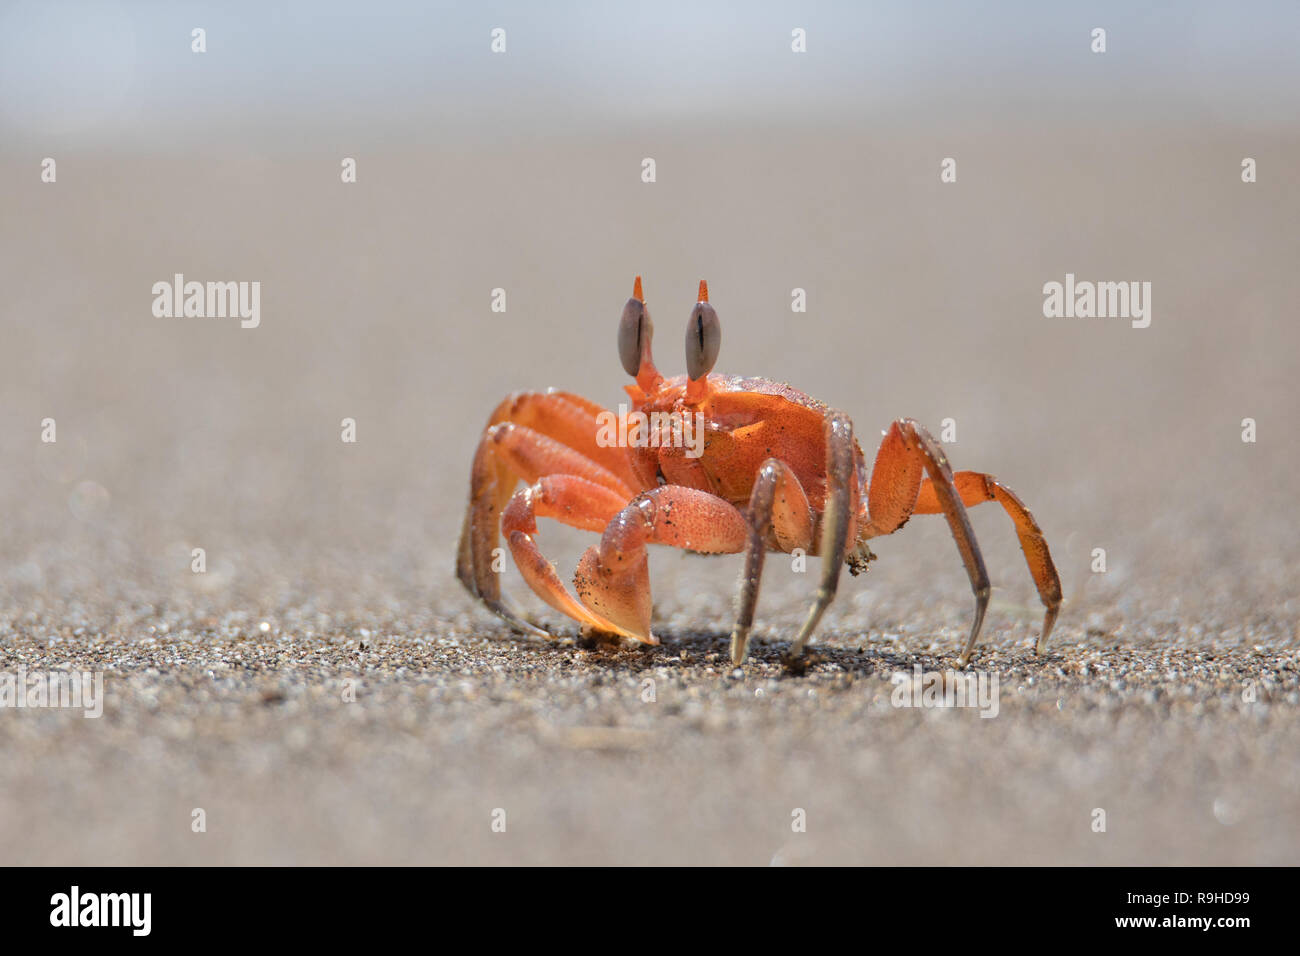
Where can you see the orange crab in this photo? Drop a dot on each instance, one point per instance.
(715, 464)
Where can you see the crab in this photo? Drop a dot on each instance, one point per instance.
(713, 464)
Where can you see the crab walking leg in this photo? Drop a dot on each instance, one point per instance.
(507, 454)
(613, 579)
(573, 501)
(491, 484)
(907, 448)
(571, 420)
(976, 488)
(563, 416)
(837, 515)
(777, 506)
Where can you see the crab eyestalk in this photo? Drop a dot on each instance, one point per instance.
(703, 339)
(635, 332)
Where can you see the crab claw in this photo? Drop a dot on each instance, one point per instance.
(704, 291)
(636, 291)
(622, 597)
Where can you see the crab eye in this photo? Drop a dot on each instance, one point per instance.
(631, 328)
(703, 339)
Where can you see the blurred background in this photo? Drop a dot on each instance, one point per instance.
(521, 171)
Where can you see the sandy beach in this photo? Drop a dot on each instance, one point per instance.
(326, 692)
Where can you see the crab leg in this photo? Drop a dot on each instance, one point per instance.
(571, 420)
(976, 488)
(576, 502)
(841, 492)
(778, 507)
(506, 454)
(613, 579)
(891, 499)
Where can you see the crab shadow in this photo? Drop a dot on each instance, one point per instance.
(705, 650)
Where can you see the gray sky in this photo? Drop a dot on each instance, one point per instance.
(123, 71)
